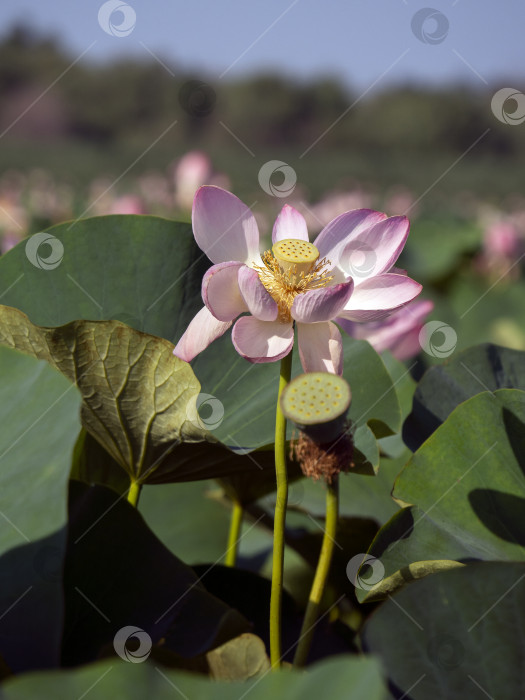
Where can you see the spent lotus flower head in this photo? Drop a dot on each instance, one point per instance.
(317, 402)
(347, 274)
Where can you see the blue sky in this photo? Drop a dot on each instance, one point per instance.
(369, 44)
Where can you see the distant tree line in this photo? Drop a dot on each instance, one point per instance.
(132, 101)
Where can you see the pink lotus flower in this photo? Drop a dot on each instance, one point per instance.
(8, 240)
(346, 275)
(193, 170)
(399, 333)
(501, 241)
(127, 204)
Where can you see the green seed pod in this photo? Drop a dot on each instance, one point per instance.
(317, 402)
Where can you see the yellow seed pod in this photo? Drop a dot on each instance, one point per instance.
(295, 255)
(317, 402)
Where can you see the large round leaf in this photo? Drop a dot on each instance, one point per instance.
(345, 678)
(142, 270)
(485, 367)
(189, 522)
(404, 384)
(118, 574)
(139, 400)
(468, 483)
(39, 422)
(469, 476)
(455, 635)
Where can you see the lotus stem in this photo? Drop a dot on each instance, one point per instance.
(279, 519)
(134, 493)
(321, 574)
(235, 534)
